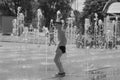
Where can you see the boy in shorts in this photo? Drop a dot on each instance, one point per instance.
(61, 49)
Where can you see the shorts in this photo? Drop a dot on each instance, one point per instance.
(63, 49)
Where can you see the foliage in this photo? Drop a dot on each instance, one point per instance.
(52, 6)
(9, 8)
(93, 6)
(29, 8)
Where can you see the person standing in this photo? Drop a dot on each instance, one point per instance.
(51, 33)
(61, 48)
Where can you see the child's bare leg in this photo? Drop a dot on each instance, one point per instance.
(57, 60)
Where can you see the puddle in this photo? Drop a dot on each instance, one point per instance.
(98, 73)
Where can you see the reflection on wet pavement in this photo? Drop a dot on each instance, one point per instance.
(35, 63)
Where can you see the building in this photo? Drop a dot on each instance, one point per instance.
(112, 18)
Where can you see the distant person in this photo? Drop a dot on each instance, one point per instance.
(31, 29)
(51, 33)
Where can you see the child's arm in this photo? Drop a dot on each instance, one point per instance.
(63, 25)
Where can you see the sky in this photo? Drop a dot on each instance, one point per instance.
(78, 5)
(114, 8)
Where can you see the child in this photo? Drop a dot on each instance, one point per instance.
(61, 49)
(51, 33)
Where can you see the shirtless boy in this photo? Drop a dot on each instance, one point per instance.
(61, 49)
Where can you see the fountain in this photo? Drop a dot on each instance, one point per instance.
(20, 21)
(14, 31)
(70, 28)
(39, 17)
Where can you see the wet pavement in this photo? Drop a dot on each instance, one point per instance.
(23, 61)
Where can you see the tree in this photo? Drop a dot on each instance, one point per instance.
(94, 6)
(29, 8)
(6, 7)
(91, 7)
(9, 8)
(50, 8)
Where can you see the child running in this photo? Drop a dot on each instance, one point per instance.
(61, 49)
